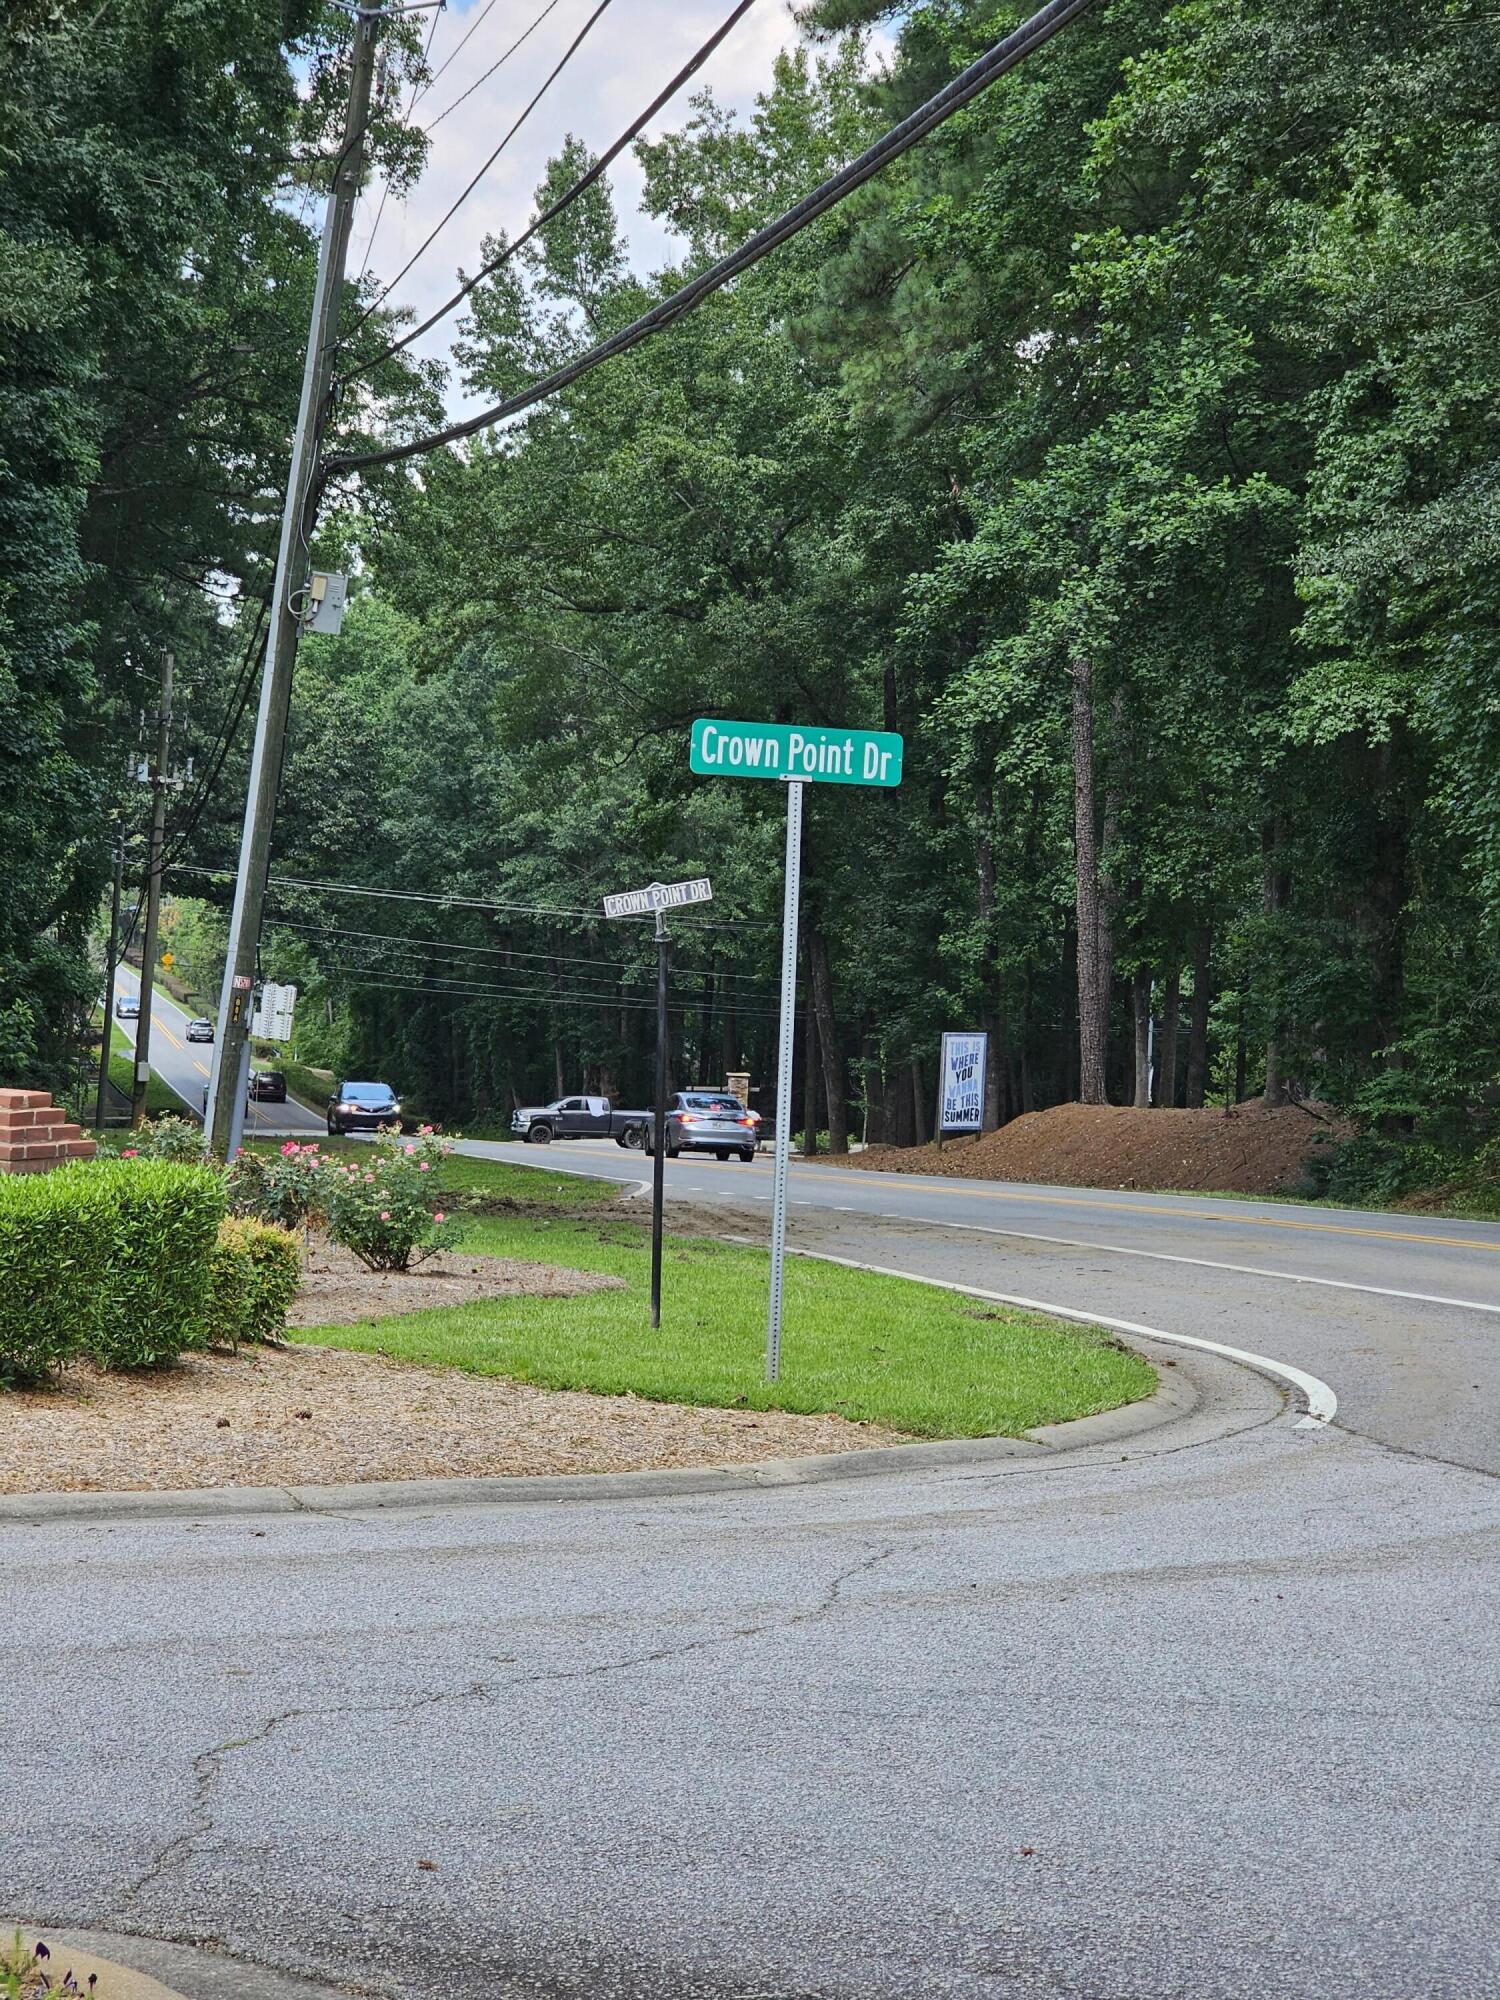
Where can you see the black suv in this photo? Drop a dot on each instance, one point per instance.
(362, 1107)
(708, 1121)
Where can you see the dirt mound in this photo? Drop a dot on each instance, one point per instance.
(1244, 1150)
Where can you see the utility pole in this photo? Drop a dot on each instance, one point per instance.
(109, 981)
(225, 1114)
(159, 783)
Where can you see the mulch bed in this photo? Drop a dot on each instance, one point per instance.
(337, 1290)
(1244, 1150)
(320, 1416)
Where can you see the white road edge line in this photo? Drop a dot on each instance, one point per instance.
(1322, 1403)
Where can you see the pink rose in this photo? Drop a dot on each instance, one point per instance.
(440, 1217)
(130, 1153)
(289, 1148)
(424, 1168)
(385, 1215)
(409, 1151)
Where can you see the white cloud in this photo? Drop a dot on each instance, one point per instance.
(635, 48)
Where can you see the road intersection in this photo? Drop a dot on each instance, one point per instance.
(1199, 1714)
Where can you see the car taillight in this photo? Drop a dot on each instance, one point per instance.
(688, 1119)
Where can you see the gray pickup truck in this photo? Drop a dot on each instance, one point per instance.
(580, 1118)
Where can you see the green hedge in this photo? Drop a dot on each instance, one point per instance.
(255, 1272)
(54, 1234)
(109, 1258)
(155, 1285)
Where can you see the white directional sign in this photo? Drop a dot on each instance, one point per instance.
(660, 896)
(272, 1020)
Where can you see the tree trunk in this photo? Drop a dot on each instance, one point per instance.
(1095, 911)
(809, 1076)
(918, 1103)
(1166, 1068)
(1275, 892)
(874, 1082)
(835, 1087)
(1197, 1056)
(992, 1111)
(1140, 994)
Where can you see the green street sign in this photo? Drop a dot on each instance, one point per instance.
(778, 750)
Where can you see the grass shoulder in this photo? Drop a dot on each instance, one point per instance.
(872, 1349)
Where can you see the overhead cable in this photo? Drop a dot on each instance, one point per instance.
(968, 84)
(569, 195)
(456, 205)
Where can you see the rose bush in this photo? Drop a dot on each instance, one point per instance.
(382, 1206)
(288, 1188)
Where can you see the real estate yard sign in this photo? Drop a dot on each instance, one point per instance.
(961, 1099)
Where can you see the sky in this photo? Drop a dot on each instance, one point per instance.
(635, 48)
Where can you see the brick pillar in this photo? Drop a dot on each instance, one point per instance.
(36, 1135)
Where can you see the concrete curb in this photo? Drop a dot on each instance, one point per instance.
(142, 1968)
(1176, 1398)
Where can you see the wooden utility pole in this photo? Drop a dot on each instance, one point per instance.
(226, 1092)
(159, 782)
(107, 1043)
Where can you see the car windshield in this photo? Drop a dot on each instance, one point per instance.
(368, 1093)
(698, 1102)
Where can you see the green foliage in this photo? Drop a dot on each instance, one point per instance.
(106, 1258)
(168, 1137)
(385, 1208)
(153, 1287)
(255, 1273)
(288, 1187)
(55, 1231)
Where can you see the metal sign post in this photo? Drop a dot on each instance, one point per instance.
(787, 1029)
(655, 902)
(795, 755)
(659, 1121)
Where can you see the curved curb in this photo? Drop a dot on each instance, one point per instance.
(139, 1968)
(1176, 1399)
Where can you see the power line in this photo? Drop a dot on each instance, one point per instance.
(539, 910)
(569, 196)
(405, 120)
(327, 933)
(968, 84)
(457, 50)
(453, 209)
(524, 35)
(444, 990)
(238, 701)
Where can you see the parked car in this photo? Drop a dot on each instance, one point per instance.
(268, 1085)
(127, 1008)
(361, 1107)
(198, 1031)
(579, 1118)
(709, 1121)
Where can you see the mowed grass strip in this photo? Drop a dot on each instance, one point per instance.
(873, 1349)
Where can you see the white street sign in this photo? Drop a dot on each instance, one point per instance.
(272, 1021)
(962, 1100)
(660, 896)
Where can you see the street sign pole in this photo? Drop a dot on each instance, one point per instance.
(788, 1028)
(659, 1149)
(655, 901)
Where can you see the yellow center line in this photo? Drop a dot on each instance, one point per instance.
(160, 1025)
(202, 1071)
(1170, 1214)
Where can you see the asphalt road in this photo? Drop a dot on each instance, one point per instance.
(183, 1065)
(1206, 1714)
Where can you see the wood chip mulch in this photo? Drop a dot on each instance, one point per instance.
(320, 1416)
(337, 1290)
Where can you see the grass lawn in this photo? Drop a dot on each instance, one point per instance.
(867, 1348)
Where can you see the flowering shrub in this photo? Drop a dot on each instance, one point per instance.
(383, 1208)
(288, 1188)
(166, 1138)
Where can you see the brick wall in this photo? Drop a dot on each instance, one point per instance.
(35, 1135)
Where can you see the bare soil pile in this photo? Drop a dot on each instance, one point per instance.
(1244, 1150)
